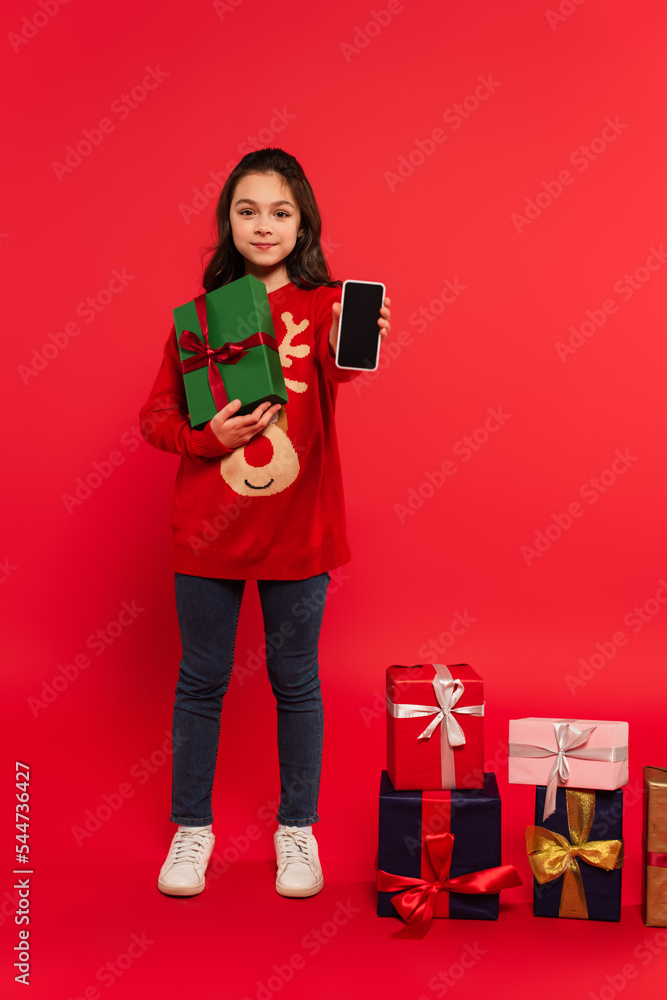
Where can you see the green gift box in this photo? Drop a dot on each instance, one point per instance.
(228, 350)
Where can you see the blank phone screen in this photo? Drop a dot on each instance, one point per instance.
(359, 331)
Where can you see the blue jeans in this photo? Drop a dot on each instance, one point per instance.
(208, 613)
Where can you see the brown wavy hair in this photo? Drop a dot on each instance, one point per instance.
(306, 265)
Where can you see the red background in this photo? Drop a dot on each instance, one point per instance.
(354, 101)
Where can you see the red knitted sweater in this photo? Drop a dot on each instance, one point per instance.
(272, 510)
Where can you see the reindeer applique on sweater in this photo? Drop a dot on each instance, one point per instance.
(269, 463)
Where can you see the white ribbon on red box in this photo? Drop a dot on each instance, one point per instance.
(448, 691)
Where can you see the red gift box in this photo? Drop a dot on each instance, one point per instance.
(435, 726)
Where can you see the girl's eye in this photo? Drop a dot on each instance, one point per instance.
(280, 212)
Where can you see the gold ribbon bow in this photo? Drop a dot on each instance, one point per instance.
(552, 855)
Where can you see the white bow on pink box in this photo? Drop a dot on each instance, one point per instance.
(574, 753)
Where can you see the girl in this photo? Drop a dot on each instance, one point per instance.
(257, 497)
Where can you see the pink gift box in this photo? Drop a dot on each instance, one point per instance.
(435, 727)
(573, 753)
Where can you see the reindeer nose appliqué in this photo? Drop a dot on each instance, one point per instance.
(266, 465)
(259, 451)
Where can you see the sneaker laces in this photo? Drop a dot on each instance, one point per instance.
(294, 847)
(188, 847)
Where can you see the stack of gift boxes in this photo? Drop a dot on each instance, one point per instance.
(439, 849)
(575, 848)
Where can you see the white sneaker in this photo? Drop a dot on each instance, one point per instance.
(182, 874)
(299, 870)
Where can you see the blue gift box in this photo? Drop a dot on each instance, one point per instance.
(602, 888)
(471, 815)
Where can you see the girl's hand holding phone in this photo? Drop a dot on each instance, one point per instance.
(383, 323)
(233, 431)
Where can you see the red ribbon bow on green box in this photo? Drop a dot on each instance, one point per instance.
(228, 354)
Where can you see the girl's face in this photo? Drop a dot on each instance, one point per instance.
(265, 222)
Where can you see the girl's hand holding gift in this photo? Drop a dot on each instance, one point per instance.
(383, 323)
(233, 431)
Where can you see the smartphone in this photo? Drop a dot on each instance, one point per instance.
(358, 330)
